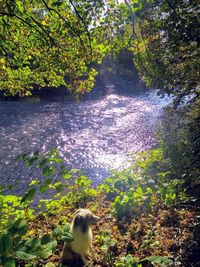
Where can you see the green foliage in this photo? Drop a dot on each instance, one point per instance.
(78, 186)
(127, 261)
(150, 240)
(143, 185)
(160, 261)
(12, 209)
(107, 245)
(179, 139)
(167, 47)
(130, 261)
(148, 183)
(51, 44)
(14, 244)
(63, 233)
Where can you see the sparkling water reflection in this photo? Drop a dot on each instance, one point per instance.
(99, 133)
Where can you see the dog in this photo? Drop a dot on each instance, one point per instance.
(82, 234)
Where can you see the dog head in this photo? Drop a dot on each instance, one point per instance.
(84, 218)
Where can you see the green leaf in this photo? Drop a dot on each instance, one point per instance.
(48, 181)
(24, 255)
(67, 237)
(112, 243)
(29, 162)
(44, 252)
(54, 151)
(43, 188)
(20, 5)
(46, 238)
(51, 245)
(104, 247)
(58, 231)
(19, 226)
(29, 196)
(48, 170)
(42, 163)
(59, 187)
(32, 243)
(66, 175)
(159, 260)
(19, 223)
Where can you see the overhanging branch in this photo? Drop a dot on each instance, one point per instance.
(50, 9)
(85, 26)
(27, 23)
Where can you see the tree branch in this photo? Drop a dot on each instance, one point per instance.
(50, 9)
(85, 26)
(24, 21)
(40, 26)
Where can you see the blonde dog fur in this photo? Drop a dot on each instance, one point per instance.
(82, 234)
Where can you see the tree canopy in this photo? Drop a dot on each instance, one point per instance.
(167, 46)
(49, 43)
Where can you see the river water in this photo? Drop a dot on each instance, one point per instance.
(99, 133)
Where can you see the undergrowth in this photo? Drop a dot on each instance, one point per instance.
(142, 222)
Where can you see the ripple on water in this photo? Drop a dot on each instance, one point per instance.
(96, 135)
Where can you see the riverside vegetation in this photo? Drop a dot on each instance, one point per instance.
(146, 219)
(149, 211)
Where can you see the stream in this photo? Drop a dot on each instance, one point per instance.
(101, 132)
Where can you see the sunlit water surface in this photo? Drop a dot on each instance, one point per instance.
(99, 133)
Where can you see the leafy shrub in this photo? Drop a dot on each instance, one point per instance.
(72, 186)
(14, 244)
(11, 209)
(107, 245)
(143, 185)
(127, 261)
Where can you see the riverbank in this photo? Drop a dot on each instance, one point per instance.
(165, 237)
(143, 222)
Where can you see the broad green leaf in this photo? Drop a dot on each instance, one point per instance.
(19, 227)
(42, 163)
(43, 188)
(51, 245)
(159, 260)
(46, 238)
(32, 244)
(19, 223)
(24, 255)
(54, 151)
(67, 237)
(44, 252)
(58, 231)
(29, 162)
(48, 181)
(48, 170)
(29, 196)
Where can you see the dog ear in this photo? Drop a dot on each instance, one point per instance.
(81, 221)
(77, 220)
(77, 211)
